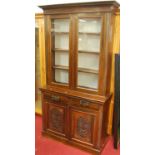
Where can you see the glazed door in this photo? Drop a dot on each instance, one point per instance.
(58, 50)
(89, 46)
(83, 126)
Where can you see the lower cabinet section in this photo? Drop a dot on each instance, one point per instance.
(77, 121)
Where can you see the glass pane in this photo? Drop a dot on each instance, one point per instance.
(61, 58)
(88, 52)
(61, 25)
(61, 41)
(87, 80)
(60, 44)
(61, 76)
(89, 42)
(90, 25)
(88, 61)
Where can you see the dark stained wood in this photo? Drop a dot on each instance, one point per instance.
(74, 93)
(103, 6)
(102, 57)
(78, 115)
(110, 31)
(48, 48)
(104, 3)
(75, 51)
(82, 126)
(71, 55)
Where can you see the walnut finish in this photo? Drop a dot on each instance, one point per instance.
(73, 114)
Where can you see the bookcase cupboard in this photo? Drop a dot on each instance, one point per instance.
(78, 45)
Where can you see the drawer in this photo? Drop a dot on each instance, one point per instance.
(55, 98)
(84, 104)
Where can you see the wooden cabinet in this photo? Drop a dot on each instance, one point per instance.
(78, 43)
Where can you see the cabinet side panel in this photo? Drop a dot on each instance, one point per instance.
(116, 49)
(108, 32)
(105, 121)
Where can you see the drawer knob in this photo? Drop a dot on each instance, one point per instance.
(55, 98)
(84, 103)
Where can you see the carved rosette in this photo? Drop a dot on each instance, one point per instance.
(56, 120)
(83, 127)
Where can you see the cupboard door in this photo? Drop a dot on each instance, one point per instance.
(89, 30)
(83, 126)
(56, 118)
(60, 29)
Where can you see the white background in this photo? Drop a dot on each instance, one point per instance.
(17, 77)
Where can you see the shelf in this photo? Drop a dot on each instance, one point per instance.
(90, 33)
(61, 50)
(80, 51)
(87, 33)
(60, 32)
(61, 67)
(86, 70)
(84, 51)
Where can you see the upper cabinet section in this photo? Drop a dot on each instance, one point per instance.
(79, 40)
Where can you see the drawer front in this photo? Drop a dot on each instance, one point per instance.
(83, 127)
(81, 103)
(55, 98)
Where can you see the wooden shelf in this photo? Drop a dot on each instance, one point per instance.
(61, 67)
(80, 51)
(87, 70)
(61, 50)
(90, 33)
(84, 51)
(60, 32)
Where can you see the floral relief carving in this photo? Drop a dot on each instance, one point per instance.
(83, 127)
(56, 119)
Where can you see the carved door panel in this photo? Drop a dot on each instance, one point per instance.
(83, 126)
(56, 116)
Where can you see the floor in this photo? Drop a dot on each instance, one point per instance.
(47, 146)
